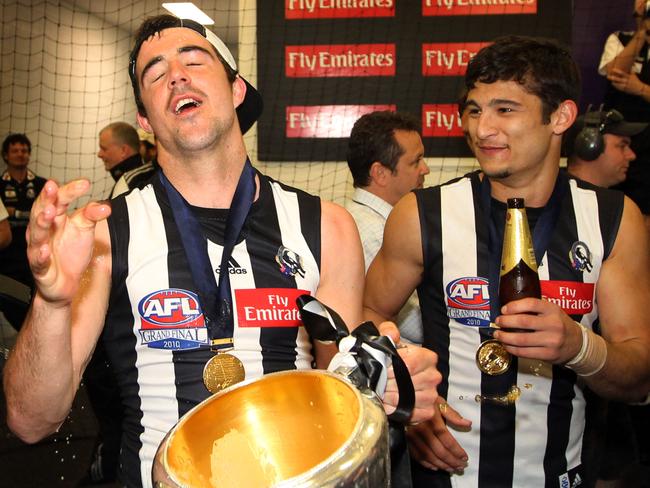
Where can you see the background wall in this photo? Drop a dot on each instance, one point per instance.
(63, 76)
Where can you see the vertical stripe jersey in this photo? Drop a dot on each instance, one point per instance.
(537, 440)
(155, 332)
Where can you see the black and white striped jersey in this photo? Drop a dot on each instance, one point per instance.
(155, 332)
(538, 440)
(134, 178)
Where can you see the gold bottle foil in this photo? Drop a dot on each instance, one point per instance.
(517, 242)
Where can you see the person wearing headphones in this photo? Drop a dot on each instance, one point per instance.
(518, 408)
(625, 62)
(598, 147)
(598, 151)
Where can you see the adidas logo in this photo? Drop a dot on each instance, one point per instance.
(577, 481)
(233, 267)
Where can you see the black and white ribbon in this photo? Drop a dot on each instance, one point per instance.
(366, 355)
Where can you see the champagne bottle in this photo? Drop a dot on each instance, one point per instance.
(518, 276)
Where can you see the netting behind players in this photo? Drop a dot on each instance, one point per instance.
(63, 77)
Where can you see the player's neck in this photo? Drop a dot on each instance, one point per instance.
(18, 174)
(534, 187)
(206, 182)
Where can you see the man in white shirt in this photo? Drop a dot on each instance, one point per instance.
(386, 158)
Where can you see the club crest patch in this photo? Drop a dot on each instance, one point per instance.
(290, 262)
(580, 257)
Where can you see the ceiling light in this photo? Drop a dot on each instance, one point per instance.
(187, 10)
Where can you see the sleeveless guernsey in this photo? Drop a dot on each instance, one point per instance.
(155, 333)
(538, 440)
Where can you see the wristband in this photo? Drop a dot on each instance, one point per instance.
(592, 355)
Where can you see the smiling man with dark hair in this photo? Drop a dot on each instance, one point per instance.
(523, 425)
(19, 187)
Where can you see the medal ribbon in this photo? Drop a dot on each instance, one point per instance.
(216, 300)
(325, 325)
(541, 233)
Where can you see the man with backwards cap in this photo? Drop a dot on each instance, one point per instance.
(144, 272)
(597, 147)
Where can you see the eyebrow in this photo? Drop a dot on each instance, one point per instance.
(183, 49)
(495, 101)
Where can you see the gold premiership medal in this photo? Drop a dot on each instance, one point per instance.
(222, 371)
(492, 358)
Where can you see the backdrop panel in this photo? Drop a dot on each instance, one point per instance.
(323, 63)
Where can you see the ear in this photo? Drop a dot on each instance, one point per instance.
(143, 122)
(238, 91)
(564, 116)
(378, 173)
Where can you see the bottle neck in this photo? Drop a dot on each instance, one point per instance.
(517, 242)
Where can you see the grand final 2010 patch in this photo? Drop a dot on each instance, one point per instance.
(468, 301)
(172, 319)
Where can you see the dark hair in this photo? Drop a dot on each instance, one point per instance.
(149, 28)
(541, 66)
(15, 139)
(373, 139)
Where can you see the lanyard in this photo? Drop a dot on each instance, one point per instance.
(541, 233)
(216, 301)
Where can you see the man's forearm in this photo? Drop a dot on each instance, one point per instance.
(39, 380)
(625, 59)
(626, 373)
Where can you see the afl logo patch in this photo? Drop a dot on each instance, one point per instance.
(580, 257)
(170, 308)
(172, 319)
(468, 301)
(469, 292)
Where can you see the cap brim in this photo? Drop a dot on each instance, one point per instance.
(628, 129)
(250, 109)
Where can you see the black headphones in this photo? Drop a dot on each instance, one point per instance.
(589, 143)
